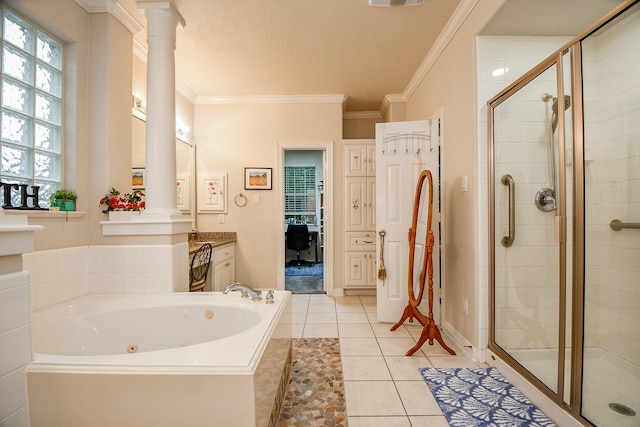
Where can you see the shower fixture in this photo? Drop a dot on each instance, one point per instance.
(545, 198)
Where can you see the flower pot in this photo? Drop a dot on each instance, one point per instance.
(64, 205)
(122, 215)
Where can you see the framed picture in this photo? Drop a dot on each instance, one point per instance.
(137, 178)
(213, 193)
(257, 178)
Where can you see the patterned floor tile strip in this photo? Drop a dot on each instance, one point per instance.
(315, 394)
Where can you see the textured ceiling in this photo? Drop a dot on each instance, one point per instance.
(320, 47)
(303, 47)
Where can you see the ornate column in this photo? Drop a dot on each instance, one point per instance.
(160, 186)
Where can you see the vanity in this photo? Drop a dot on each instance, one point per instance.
(223, 267)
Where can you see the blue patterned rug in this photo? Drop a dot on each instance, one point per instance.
(481, 397)
(312, 270)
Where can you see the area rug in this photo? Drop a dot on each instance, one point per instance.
(315, 394)
(481, 397)
(311, 270)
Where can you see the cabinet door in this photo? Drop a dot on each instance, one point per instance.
(355, 160)
(355, 269)
(224, 274)
(354, 202)
(371, 159)
(371, 203)
(372, 270)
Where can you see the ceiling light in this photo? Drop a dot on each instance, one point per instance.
(387, 3)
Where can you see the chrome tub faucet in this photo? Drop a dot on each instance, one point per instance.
(246, 291)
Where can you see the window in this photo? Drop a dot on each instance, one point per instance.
(300, 192)
(31, 119)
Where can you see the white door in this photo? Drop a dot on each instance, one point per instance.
(403, 151)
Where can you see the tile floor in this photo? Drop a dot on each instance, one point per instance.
(382, 386)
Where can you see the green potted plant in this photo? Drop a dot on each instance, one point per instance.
(64, 199)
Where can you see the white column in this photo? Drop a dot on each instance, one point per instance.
(160, 185)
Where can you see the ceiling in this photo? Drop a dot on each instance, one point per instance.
(326, 47)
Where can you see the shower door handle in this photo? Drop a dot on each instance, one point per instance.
(507, 241)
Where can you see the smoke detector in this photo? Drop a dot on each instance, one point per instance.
(387, 3)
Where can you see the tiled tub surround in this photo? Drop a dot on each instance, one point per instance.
(188, 376)
(61, 274)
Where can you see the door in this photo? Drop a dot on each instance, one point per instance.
(403, 151)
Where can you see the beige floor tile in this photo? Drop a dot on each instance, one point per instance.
(372, 398)
(296, 330)
(365, 368)
(405, 368)
(452, 362)
(320, 330)
(321, 318)
(359, 347)
(355, 330)
(379, 422)
(429, 421)
(298, 317)
(346, 299)
(397, 346)
(370, 308)
(417, 398)
(369, 299)
(352, 318)
(321, 308)
(373, 317)
(384, 330)
(349, 308)
(437, 350)
(320, 298)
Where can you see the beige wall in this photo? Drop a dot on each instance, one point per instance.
(230, 137)
(450, 87)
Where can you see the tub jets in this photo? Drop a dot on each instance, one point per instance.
(246, 291)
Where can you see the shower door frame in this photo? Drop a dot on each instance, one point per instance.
(556, 60)
(573, 48)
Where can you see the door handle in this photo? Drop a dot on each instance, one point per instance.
(507, 241)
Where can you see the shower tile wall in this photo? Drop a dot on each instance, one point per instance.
(61, 274)
(517, 55)
(612, 175)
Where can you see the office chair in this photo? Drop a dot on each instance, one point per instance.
(298, 239)
(200, 268)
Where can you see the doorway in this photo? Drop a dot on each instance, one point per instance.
(305, 208)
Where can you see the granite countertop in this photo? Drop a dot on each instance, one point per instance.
(215, 238)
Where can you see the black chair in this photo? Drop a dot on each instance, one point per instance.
(298, 239)
(200, 268)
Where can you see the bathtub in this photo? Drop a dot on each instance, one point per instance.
(183, 359)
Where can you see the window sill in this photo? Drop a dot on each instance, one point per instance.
(45, 214)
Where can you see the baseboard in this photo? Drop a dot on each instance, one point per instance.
(472, 352)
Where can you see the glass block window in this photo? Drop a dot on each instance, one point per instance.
(31, 103)
(300, 190)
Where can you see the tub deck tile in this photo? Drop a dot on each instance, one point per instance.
(315, 394)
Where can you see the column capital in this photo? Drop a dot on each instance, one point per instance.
(161, 5)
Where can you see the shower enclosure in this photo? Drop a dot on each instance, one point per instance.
(564, 166)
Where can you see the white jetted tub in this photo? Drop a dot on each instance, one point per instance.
(183, 359)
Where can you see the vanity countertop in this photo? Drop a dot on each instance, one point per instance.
(215, 238)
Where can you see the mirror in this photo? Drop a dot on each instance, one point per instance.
(421, 243)
(185, 164)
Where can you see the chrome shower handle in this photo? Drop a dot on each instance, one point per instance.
(507, 241)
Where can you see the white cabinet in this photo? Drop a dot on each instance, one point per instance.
(224, 267)
(360, 266)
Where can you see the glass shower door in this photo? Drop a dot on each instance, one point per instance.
(611, 342)
(526, 252)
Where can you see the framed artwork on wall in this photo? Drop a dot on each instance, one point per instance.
(213, 193)
(257, 178)
(137, 178)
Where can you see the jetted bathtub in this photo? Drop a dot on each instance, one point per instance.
(183, 359)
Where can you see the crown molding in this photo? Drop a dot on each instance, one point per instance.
(115, 9)
(272, 99)
(356, 115)
(453, 25)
